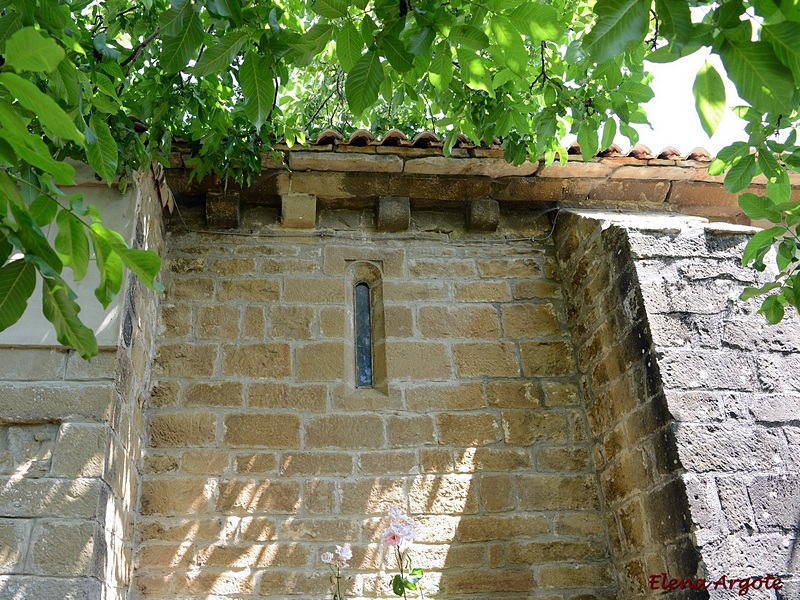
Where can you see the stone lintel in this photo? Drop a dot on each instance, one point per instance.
(394, 213)
(222, 210)
(483, 215)
(298, 210)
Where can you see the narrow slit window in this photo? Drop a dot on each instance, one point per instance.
(363, 336)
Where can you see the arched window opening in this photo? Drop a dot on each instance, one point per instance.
(363, 335)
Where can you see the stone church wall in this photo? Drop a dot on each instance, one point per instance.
(261, 454)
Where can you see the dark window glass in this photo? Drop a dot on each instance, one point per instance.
(363, 337)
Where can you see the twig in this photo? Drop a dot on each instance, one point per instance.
(138, 50)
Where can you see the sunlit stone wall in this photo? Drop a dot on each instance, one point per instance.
(261, 454)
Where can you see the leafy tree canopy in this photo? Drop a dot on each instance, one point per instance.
(234, 76)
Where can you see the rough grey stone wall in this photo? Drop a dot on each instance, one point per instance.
(731, 384)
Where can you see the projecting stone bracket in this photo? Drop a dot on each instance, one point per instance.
(483, 215)
(394, 213)
(222, 210)
(298, 211)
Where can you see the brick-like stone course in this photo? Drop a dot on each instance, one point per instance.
(476, 434)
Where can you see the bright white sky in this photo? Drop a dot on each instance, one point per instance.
(672, 112)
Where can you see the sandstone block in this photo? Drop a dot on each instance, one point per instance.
(493, 528)
(546, 359)
(217, 322)
(217, 393)
(248, 290)
(582, 524)
(181, 430)
(260, 462)
(518, 268)
(165, 393)
(388, 463)
(349, 161)
(313, 290)
(441, 268)
(319, 496)
(459, 322)
(315, 464)
(493, 459)
(529, 320)
(307, 398)
(164, 556)
(486, 360)
(222, 210)
(482, 291)
(332, 322)
(291, 322)
(563, 459)
(298, 210)
(258, 496)
(59, 401)
(410, 431)
(191, 289)
(176, 320)
(448, 397)
(418, 360)
(399, 321)
(337, 259)
(323, 361)
(205, 462)
(14, 538)
(468, 429)
(436, 460)
(319, 530)
(81, 450)
(26, 364)
(489, 582)
(174, 496)
(578, 575)
(560, 394)
(393, 214)
(443, 494)
(372, 495)
(557, 492)
(411, 291)
(483, 215)
(345, 432)
(214, 584)
(497, 493)
(261, 361)
(526, 427)
(535, 289)
(186, 360)
(46, 497)
(262, 430)
(512, 394)
(232, 266)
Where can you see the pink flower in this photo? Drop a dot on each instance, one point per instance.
(344, 552)
(395, 514)
(391, 539)
(327, 558)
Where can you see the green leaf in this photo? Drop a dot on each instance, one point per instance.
(109, 264)
(772, 309)
(709, 98)
(6, 248)
(779, 189)
(9, 192)
(587, 139)
(740, 174)
(9, 25)
(71, 243)
(349, 45)
(726, 156)
(258, 88)
(43, 210)
(474, 71)
(759, 76)
(537, 20)
(363, 82)
(17, 280)
(330, 8)
(421, 40)
(675, 21)
(50, 114)
(178, 50)
(102, 154)
(620, 25)
(144, 263)
(784, 39)
(30, 50)
(507, 37)
(752, 292)
(609, 133)
(395, 52)
(441, 69)
(398, 585)
(227, 8)
(33, 240)
(62, 312)
(467, 36)
(218, 58)
(760, 243)
(636, 92)
(65, 78)
(786, 254)
(758, 207)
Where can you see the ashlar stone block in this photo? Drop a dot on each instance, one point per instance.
(394, 213)
(298, 210)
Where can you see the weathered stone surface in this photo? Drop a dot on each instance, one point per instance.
(483, 215)
(334, 161)
(222, 210)
(393, 214)
(262, 430)
(298, 210)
